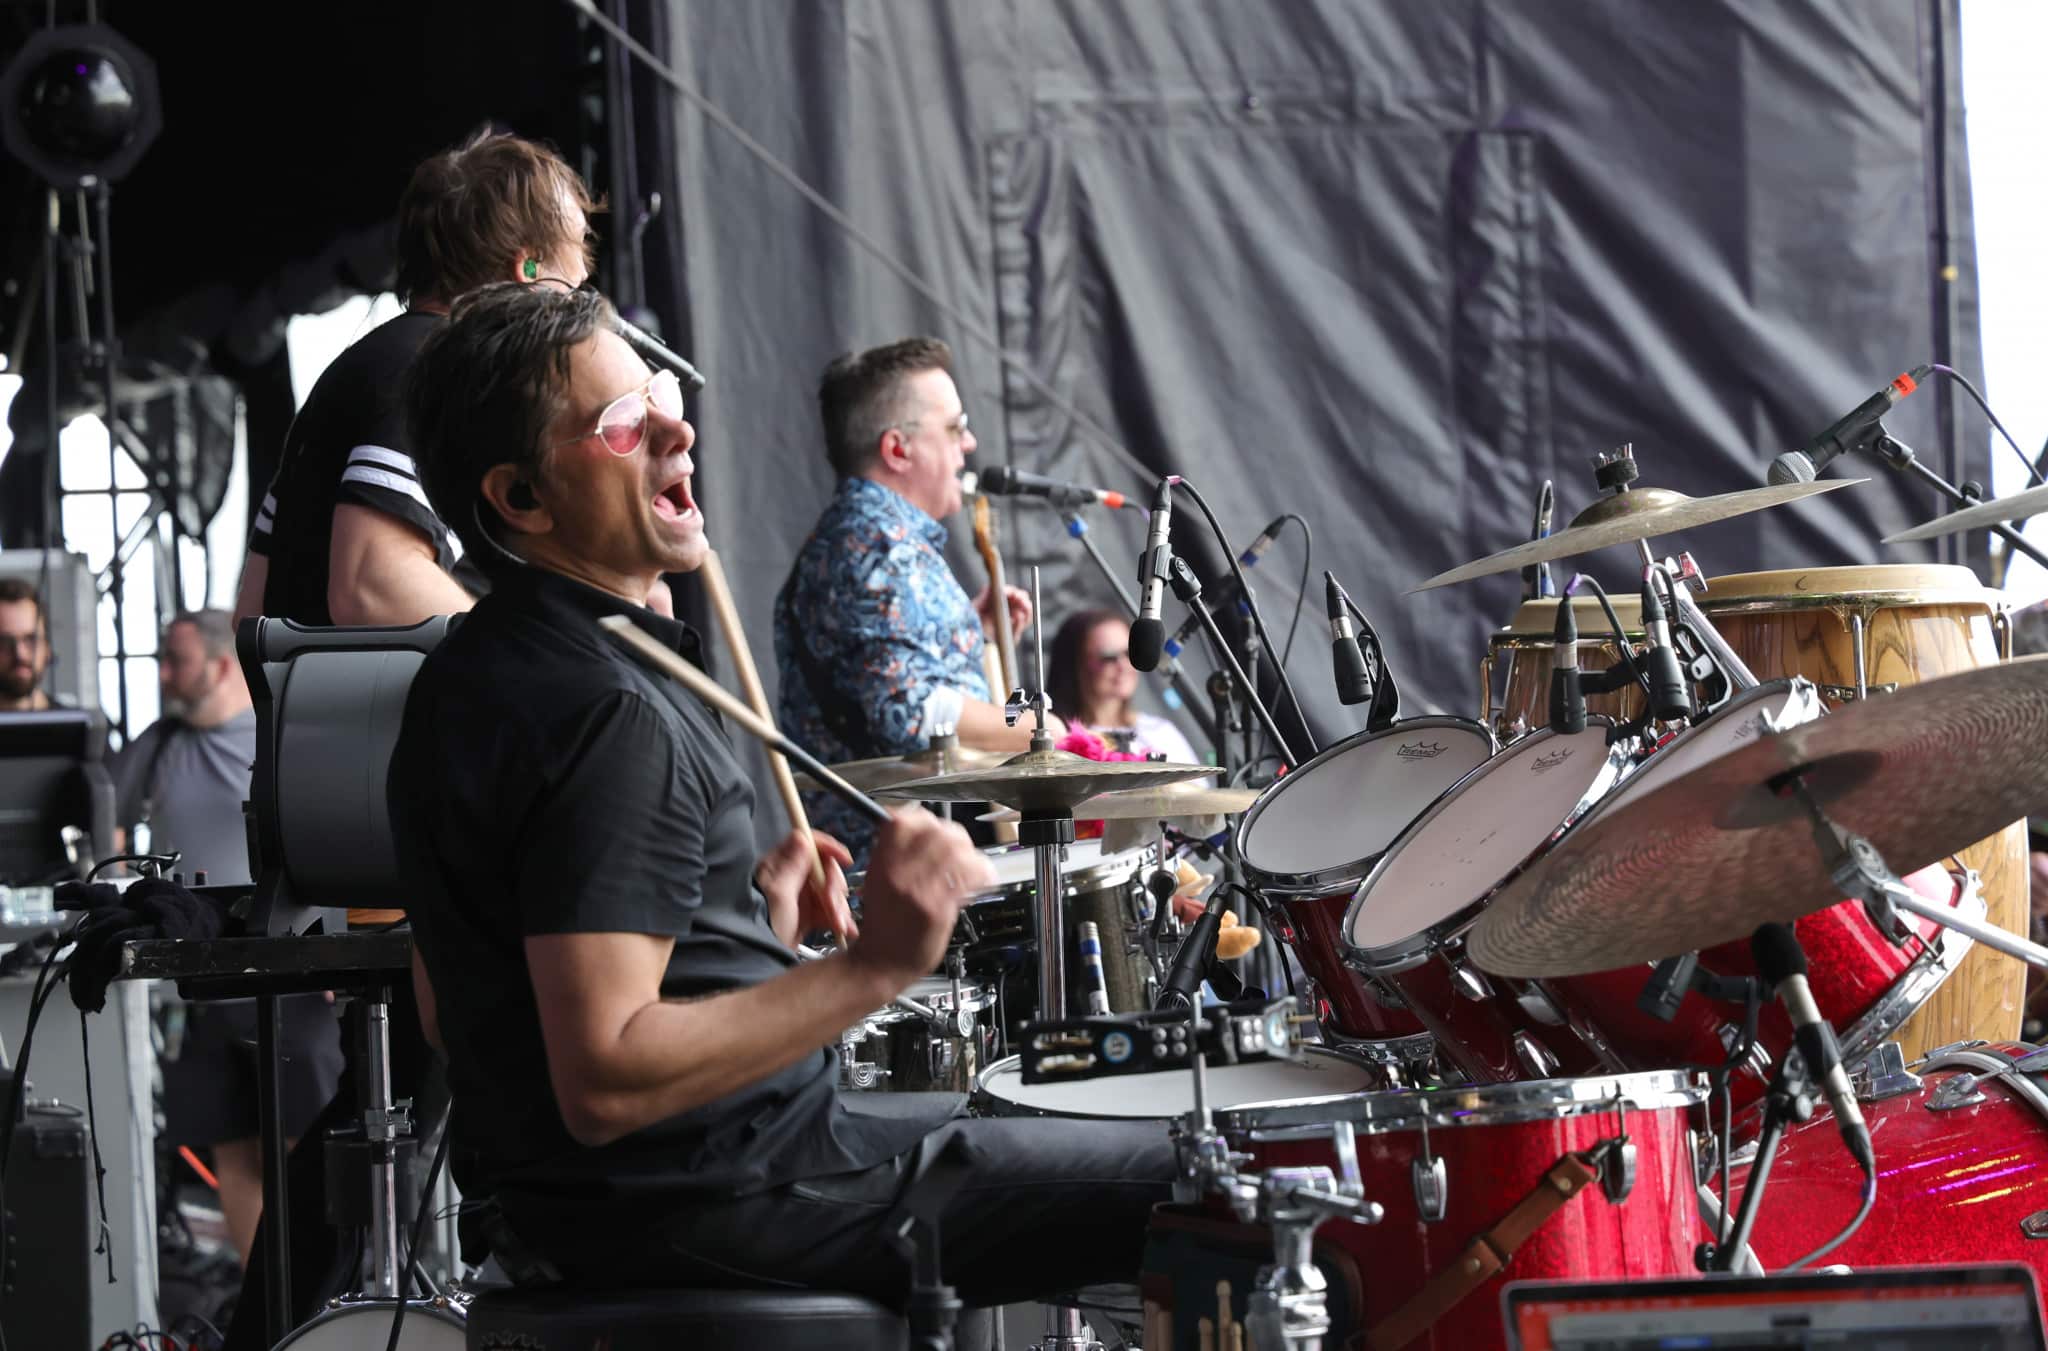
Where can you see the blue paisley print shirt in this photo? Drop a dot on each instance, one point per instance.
(883, 623)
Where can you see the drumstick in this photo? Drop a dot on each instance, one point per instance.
(728, 614)
(714, 694)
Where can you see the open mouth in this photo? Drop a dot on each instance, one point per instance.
(673, 502)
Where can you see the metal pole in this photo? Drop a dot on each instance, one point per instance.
(383, 1148)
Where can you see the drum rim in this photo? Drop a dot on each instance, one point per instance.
(1946, 584)
(1789, 685)
(1527, 1100)
(433, 1312)
(981, 1093)
(1406, 952)
(1342, 876)
(1508, 634)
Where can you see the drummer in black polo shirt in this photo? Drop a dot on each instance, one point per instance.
(641, 1068)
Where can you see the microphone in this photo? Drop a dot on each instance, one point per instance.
(1003, 480)
(1091, 965)
(652, 348)
(1567, 701)
(1850, 433)
(1779, 961)
(1193, 956)
(1354, 676)
(1148, 635)
(1670, 699)
(1249, 559)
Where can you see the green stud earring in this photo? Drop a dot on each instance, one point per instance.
(530, 269)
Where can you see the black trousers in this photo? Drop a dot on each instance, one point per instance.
(324, 1258)
(1047, 1205)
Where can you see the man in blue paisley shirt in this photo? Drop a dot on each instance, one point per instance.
(877, 643)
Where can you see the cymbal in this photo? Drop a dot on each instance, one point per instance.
(1630, 515)
(1920, 773)
(2018, 507)
(1044, 780)
(1153, 804)
(889, 769)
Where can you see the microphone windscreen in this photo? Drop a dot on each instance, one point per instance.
(996, 479)
(1148, 642)
(1777, 952)
(1791, 467)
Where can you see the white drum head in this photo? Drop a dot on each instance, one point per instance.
(1480, 833)
(1170, 1093)
(1016, 865)
(356, 1326)
(1737, 724)
(1335, 814)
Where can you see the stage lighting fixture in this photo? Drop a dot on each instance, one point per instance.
(79, 105)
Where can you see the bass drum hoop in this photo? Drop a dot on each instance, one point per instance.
(1478, 1105)
(373, 1318)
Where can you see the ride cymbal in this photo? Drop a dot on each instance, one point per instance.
(1630, 515)
(1920, 774)
(2017, 507)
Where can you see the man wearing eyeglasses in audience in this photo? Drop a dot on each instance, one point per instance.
(877, 644)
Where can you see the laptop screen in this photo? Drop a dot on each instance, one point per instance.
(1964, 1308)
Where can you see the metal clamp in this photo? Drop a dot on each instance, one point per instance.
(1431, 1181)
(1959, 1090)
(1883, 1074)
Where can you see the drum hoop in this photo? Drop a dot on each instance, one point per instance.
(424, 1310)
(1849, 600)
(1342, 876)
(982, 1094)
(1887, 584)
(1596, 630)
(1404, 953)
(1487, 1105)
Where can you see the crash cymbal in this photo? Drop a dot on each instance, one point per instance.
(1152, 804)
(1920, 773)
(2018, 507)
(885, 770)
(1045, 780)
(1630, 515)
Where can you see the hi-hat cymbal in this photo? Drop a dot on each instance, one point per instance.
(1045, 780)
(1630, 515)
(1152, 804)
(885, 770)
(2018, 507)
(1920, 773)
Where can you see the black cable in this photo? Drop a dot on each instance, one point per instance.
(419, 1234)
(92, 1129)
(1308, 553)
(1258, 620)
(164, 862)
(1862, 1213)
(2033, 470)
(1613, 623)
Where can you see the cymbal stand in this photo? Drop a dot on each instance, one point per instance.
(1899, 455)
(1048, 832)
(1858, 869)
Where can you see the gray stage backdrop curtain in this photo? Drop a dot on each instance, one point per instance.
(1388, 265)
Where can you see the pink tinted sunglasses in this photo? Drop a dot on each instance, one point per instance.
(622, 426)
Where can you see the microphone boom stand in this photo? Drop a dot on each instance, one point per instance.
(1899, 455)
(1188, 588)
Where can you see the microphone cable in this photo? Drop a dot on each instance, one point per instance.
(2033, 466)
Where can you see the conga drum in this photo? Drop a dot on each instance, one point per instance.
(1521, 653)
(1859, 633)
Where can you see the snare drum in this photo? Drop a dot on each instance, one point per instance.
(1312, 836)
(897, 1051)
(1405, 926)
(1448, 1166)
(1167, 1093)
(1877, 628)
(1526, 650)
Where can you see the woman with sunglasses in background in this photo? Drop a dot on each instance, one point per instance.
(1093, 684)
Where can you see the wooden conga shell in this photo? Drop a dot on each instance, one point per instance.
(1523, 650)
(1920, 622)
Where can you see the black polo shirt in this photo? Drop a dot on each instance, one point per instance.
(546, 783)
(347, 444)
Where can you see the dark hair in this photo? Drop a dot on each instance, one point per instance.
(1063, 663)
(14, 590)
(216, 630)
(860, 396)
(471, 211)
(484, 390)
